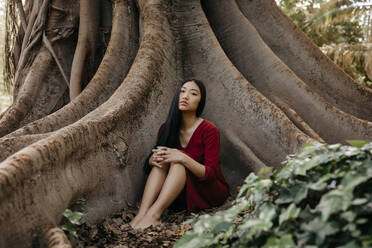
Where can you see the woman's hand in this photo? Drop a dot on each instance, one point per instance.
(165, 154)
(155, 161)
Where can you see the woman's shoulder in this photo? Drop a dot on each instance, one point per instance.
(209, 126)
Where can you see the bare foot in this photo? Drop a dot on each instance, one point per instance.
(147, 221)
(136, 220)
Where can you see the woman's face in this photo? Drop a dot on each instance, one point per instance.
(189, 97)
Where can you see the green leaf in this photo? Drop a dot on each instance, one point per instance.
(333, 202)
(292, 193)
(359, 201)
(284, 241)
(306, 165)
(351, 244)
(70, 229)
(194, 240)
(267, 212)
(265, 171)
(321, 184)
(222, 227)
(253, 227)
(73, 217)
(358, 143)
(310, 148)
(349, 216)
(284, 173)
(248, 182)
(186, 238)
(321, 229)
(290, 214)
(353, 179)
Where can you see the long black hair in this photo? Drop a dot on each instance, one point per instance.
(169, 135)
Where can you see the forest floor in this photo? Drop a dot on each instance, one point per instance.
(115, 231)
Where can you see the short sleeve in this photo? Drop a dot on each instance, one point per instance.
(211, 141)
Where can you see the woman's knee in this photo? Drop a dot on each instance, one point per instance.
(178, 166)
(163, 168)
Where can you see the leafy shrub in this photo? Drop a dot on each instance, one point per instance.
(322, 197)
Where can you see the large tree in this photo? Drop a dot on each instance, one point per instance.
(269, 91)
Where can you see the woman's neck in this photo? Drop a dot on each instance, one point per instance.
(188, 120)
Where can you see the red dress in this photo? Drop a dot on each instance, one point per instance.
(204, 147)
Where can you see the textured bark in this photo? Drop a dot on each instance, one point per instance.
(118, 58)
(56, 238)
(79, 151)
(305, 59)
(94, 147)
(86, 45)
(274, 79)
(39, 88)
(232, 102)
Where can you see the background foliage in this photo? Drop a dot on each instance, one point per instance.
(341, 28)
(320, 198)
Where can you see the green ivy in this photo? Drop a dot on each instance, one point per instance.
(72, 217)
(321, 198)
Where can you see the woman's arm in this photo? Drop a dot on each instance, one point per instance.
(211, 156)
(195, 167)
(207, 171)
(211, 140)
(168, 155)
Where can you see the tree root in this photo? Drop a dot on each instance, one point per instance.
(49, 46)
(32, 36)
(28, 94)
(22, 14)
(119, 56)
(86, 46)
(9, 146)
(275, 80)
(56, 238)
(254, 164)
(38, 182)
(298, 121)
(33, 98)
(239, 104)
(298, 52)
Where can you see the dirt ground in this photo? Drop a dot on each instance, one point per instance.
(115, 231)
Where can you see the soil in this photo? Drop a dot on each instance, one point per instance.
(115, 231)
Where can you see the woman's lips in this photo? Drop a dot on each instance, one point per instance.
(183, 103)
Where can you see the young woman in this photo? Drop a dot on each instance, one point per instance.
(184, 164)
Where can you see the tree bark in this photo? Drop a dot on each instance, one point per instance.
(305, 59)
(118, 58)
(232, 101)
(39, 87)
(274, 79)
(79, 150)
(86, 45)
(265, 105)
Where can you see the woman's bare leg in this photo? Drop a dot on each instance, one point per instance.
(172, 187)
(153, 186)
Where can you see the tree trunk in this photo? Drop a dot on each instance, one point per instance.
(266, 103)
